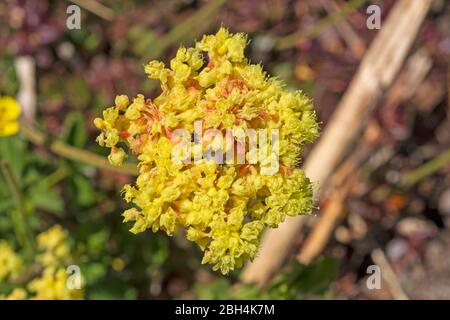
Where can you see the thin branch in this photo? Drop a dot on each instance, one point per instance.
(342, 184)
(26, 72)
(69, 152)
(353, 40)
(388, 275)
(319, 236)
(96, 8)
(291, 40)
(426, 169)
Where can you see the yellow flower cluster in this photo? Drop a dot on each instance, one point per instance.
(222, 207)
(52, 285)
(10, 263)
(9, 113)
(53, 246)
(53, 258)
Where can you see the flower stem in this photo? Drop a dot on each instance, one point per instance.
(19, 217)
(430, 167)
(73, 153)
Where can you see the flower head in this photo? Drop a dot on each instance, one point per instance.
(9, 113)
(222, 206)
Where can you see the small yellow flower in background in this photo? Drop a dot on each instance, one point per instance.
(118, 264)
(52, 285)
(223, 208)
(53, 257)
(16, 294)
(10, 263)
(9, 115)
(53, 246)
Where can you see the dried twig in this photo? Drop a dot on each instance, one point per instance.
(26, 71)
(96, 8)
(375, 74)
(329, 218)
(291, 40)
(342, 183)
(73, 153)
(388, 275)
(354, 42)
(417, 68)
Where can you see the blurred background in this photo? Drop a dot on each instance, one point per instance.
(388, 202)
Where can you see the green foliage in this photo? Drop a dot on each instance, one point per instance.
(296, 281)
(8, 80)
(300, 281)
(57, 191)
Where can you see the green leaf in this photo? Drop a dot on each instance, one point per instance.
(299, 280)
(97, 241)
(74, 130)
(9, 82)
(93, 272)
(47, 199)
(85, 194)
(218, 289)
(12, 149)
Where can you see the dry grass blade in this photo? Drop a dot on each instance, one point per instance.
(388, 275)
(73, 153)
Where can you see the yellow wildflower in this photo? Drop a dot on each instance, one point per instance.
(118, 264)
(16, 294)
(52, 285)
(10, 262)
(53, 282)
(9, 114)
(223, 206)
(53, 246)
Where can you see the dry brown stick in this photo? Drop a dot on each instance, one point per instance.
(403, 89)
(96, 8)
(340, 185)
(448, 90)
(388, 275)
(375, 74)
(370, 140)
(354, 42)
(319, 236)
(70, 152)
(416, 69)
